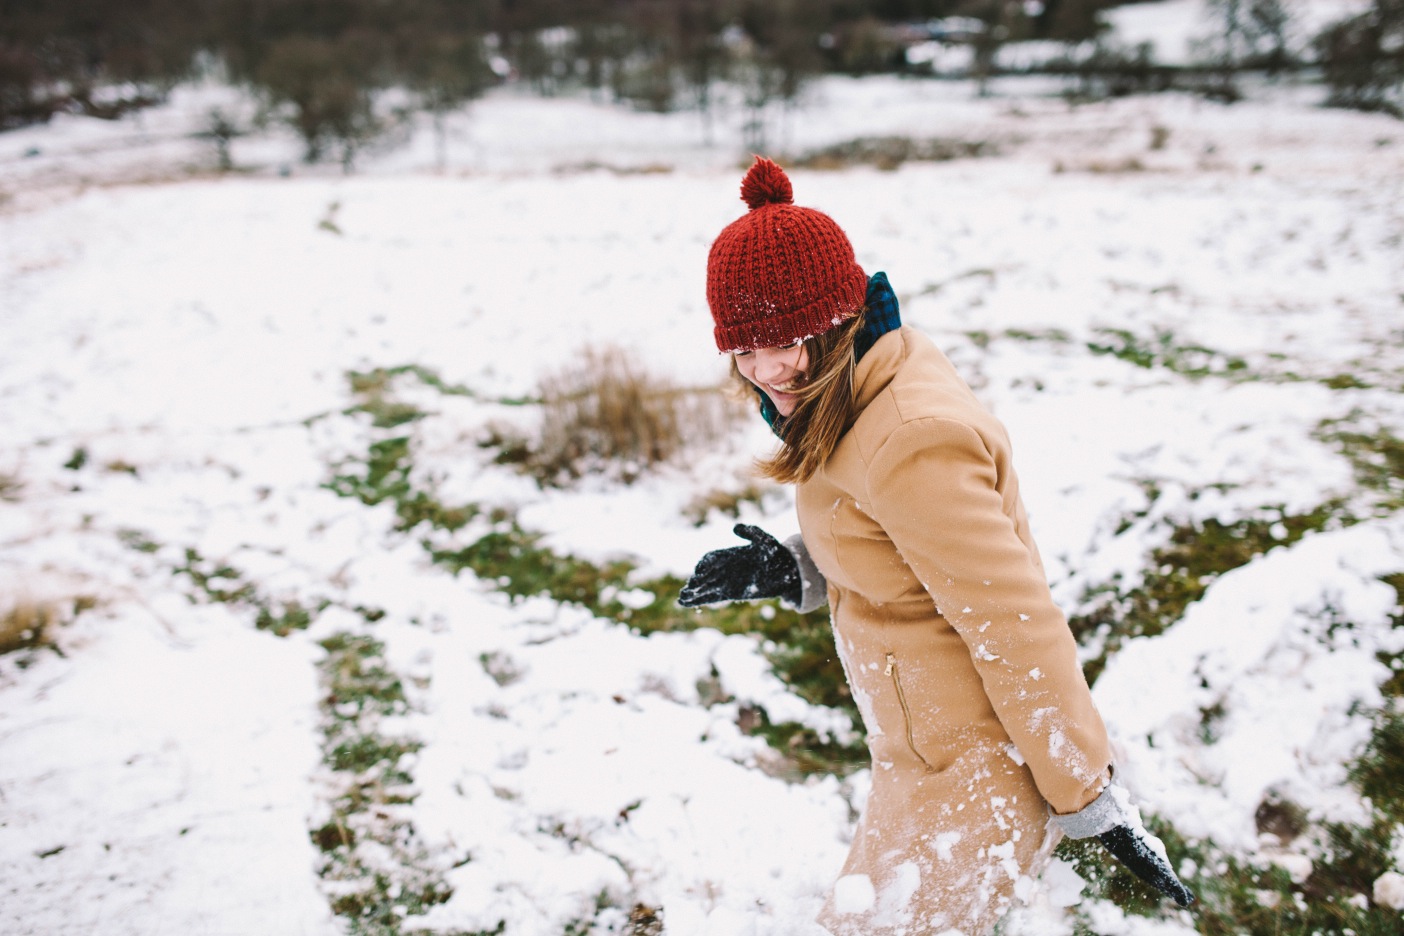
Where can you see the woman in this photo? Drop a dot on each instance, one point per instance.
(985, 743)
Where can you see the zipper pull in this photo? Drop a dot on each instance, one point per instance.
(891, 662)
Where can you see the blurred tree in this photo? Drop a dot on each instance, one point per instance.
(222, 130)
(865, 47)
(22, 100)
(1005, 21)
(55, 53)
(1362, 59)
(1074, 21)
(446, 71)
(329, 85)
(702, 52)
(780, 55)
(1249, 34)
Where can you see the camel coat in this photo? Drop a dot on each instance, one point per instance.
(965, 672)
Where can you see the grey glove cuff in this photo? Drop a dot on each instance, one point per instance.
(1103, 814)
(814, 587)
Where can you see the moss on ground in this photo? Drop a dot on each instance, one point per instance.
(378, 873)
(1181, 571)
(1237, 897)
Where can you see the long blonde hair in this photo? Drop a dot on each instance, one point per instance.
(824, 408)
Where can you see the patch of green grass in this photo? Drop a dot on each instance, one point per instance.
(215, 581)
(286, 617)
(219, 582)
(380, 873)
(1050, 335)
(1181, 571)
(1237, 896)
(1162, 350)
(801, 646)
(375, 392)
(138, 540)
(515, 563)
(1376, 454)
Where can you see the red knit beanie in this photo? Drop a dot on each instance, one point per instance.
(779, 273)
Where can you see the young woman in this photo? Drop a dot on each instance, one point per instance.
(985, 743)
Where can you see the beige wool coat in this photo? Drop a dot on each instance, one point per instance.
(965, 672)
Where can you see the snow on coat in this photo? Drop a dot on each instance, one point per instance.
(964, 670)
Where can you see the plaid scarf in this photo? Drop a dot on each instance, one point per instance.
(882, 317)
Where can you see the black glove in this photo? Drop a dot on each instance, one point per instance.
(1132, 850)
(764, 569)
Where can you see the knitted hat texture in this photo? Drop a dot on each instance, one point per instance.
(779, 273)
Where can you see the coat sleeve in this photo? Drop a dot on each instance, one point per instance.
(813, 586)
(934, 487)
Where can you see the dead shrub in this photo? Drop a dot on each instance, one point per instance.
(890, 152)
(11, 485)
(27, 625)
(603, 414)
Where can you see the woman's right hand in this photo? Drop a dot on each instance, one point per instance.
(763, 569)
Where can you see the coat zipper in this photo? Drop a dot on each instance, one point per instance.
(906, 711)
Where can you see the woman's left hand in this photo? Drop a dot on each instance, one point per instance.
(1117, 825)
(1135, 847)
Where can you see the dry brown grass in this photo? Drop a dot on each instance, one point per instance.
(1130, 164)
(28, 624)
(11, 485)
(603, 414)
(890, 152)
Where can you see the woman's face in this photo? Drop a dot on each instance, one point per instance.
(777, 372)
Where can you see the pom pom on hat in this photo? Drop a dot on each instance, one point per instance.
(766, 184)
(779, 273)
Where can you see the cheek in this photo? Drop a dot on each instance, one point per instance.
(747, 367)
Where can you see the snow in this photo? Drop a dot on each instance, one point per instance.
(192, 333)
(853, 893)
(1389, 890)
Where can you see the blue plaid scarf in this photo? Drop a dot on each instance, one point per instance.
(882, 317)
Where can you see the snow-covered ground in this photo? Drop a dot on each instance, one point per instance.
(190, 334)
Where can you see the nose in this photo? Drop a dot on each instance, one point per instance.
(772, 365)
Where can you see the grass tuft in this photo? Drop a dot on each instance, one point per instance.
(28, 625)
(1375, 453)
(378, 872)
(11, 487)
(603, 414)
(1180, 572)
(890, 152)
(1163, 351)
(1238, 895)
